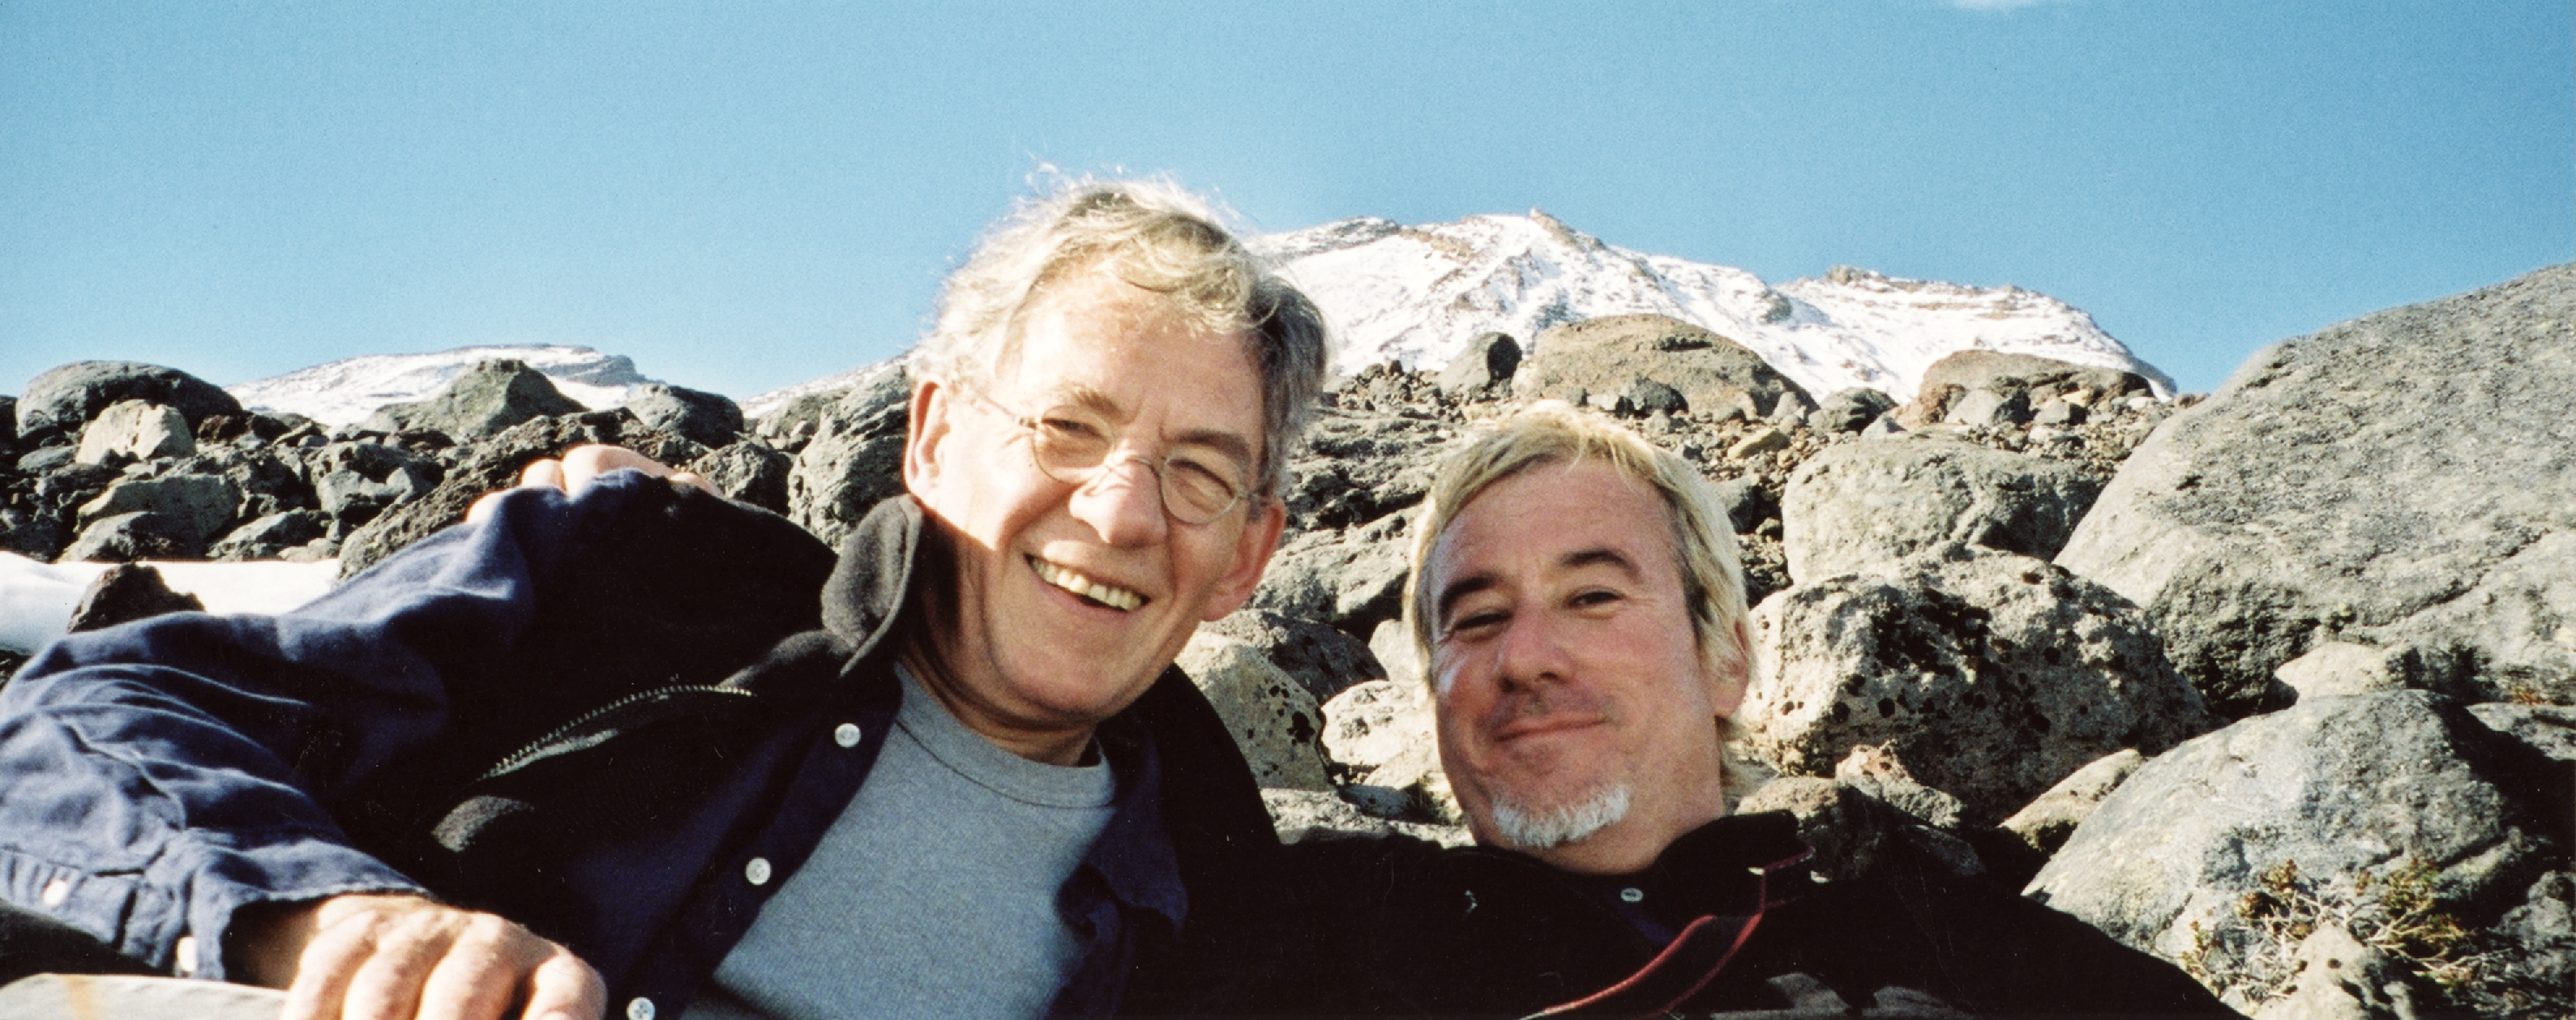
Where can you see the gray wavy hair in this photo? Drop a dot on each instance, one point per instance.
(1157, 237)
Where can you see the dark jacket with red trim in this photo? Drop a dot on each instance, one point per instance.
(1727, 919)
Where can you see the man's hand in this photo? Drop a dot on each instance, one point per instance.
(579, 466)
(395, 957)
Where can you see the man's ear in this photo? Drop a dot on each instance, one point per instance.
(1731, 675)
(1261, 527)
(925, 437)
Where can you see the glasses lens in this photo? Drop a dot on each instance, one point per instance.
(1199, 487)
(1069, 443)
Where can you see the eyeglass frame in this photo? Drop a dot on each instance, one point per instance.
(1033, 429)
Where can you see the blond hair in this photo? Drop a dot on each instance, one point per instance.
(1554, 432)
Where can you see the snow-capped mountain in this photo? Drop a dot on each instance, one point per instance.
(347, 391)
(1418, 294)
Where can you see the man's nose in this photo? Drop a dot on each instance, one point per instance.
(1532, 651)
(1123, 501)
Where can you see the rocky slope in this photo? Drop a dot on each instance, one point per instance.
(2276, 684)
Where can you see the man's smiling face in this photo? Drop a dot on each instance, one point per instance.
(1070, 599)
(1564, 668)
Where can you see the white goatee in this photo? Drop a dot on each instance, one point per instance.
(1547, 828)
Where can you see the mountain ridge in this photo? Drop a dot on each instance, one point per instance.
(1416, 294)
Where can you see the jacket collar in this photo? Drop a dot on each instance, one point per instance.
(870, 584)
(863, 603)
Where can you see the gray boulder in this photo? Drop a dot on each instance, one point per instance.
(131, 430)
(2338, 977)
(354, 482)
(270, 537)
(2279, 816)
(1850, 410)
(1323, 660)
(2548, 729)
(2059, 413)
(1747, 503)
(125, 593)
(1355, 467)
(1392, 644)
(2047, 820)
(486, 399)
(1488, 358)
(1345, 579)
(1604, 355)
(1857, 504)
(2035, 377)
(1275, 723)
(139, 535)
(1989, 675)
(708, 419)
(749, 472)
(199, 506)
(57, 403)
(854, 459)
(1382, 735)
(1990, 409)
(2404, 479)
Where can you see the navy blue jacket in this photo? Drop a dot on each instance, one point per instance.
(588, 715)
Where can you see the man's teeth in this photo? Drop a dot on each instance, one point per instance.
(1118, 598)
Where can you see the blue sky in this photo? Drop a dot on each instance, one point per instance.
(745, 195)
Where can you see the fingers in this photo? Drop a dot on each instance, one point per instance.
(579, 467)
(494, 961)
(564, 988)
(542, 474)
(401, 958)
(583, 464)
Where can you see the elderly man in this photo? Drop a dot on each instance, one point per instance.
(1577, 595)
(522, 770)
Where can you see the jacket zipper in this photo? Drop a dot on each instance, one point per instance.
(520, 757)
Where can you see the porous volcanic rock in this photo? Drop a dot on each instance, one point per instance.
(1989, 675)
(2407, 478)
(1273, 720)
(1324, 661)
(853, 460)
(1856, 504)
(2329, 790)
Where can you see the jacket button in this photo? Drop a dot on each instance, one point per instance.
(640, 1009)
(846, 735)
(56, 892)
(183, 956)
(757, 871)
(1632, 894)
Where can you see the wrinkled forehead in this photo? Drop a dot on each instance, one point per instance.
(1093, 307)
(1508, 503)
